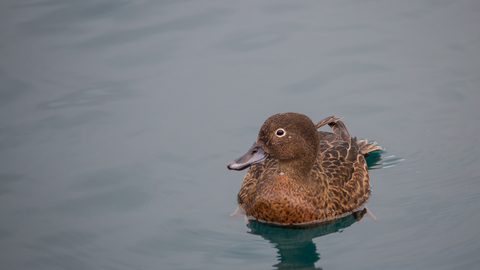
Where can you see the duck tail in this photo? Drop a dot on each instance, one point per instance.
(367, 147)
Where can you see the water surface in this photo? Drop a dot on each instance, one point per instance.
(117, 120)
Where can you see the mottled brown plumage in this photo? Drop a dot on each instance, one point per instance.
(298, 174)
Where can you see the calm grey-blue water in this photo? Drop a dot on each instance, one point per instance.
(118, 118)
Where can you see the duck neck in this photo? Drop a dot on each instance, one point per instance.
(297, 169)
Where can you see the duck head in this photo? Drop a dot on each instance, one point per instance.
(291, 138)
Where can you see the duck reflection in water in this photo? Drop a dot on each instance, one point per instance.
(294, 243)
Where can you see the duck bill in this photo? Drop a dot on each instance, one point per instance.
(254, 155)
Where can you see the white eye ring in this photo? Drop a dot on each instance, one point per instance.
(280, 132)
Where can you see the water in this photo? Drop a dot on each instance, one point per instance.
(118, 118)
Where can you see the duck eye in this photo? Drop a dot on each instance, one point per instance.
(280, 132)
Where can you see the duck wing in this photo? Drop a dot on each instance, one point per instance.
(338, 153)
(340, 132)
(327, 120)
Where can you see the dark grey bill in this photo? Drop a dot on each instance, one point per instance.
(254, 155)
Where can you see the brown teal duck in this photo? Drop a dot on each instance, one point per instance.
(298, 174)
